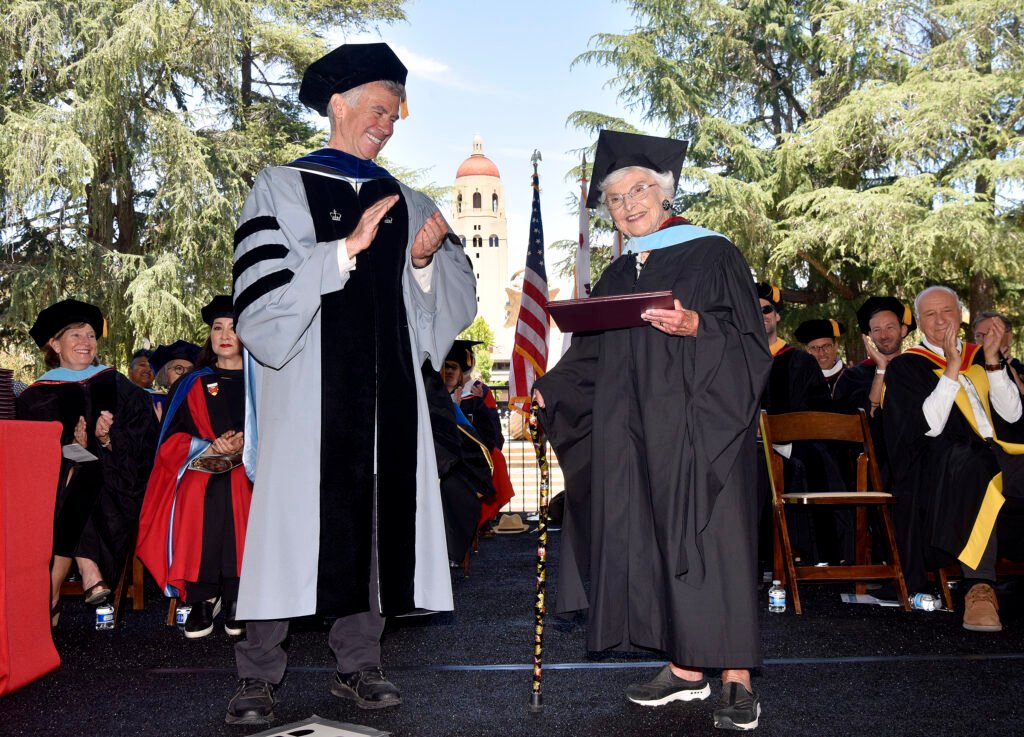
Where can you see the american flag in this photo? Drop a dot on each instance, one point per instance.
(530, 352)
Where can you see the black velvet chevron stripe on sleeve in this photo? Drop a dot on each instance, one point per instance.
(262, 286)
(256, 224)
(260, 253)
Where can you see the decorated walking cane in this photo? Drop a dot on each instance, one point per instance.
(539, 606)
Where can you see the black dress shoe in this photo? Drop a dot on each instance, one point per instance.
(253, 703)
(200, 620)
(368, 688)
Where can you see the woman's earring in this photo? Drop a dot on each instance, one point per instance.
(666, 205)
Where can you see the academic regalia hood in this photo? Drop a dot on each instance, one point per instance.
(347, 67)
(874, 305)
(219, 306)
(180, 349)
(462, 353)
(58, 316)
(617, 150)
(810, 330)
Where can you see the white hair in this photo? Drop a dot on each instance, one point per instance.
(352, 96)
(935, 288)
(663, 180)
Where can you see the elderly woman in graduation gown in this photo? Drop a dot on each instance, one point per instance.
(655, 429)
(103, 412)
(192, 529)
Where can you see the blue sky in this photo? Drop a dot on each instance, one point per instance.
(502, 71)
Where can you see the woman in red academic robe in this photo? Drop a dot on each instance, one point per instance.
(194, 516)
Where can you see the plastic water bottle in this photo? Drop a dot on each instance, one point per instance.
(181, 614)
(777, 597)
(925, 602)
(105, 617)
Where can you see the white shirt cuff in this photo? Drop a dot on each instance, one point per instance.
(423, 276)
(346, 263)
(1004, 396)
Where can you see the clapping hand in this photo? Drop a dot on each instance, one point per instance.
(366, 230)
(428, 240)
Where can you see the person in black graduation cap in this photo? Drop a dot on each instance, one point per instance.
(796, 384)
(654, 428)
(193, 521)
(476, 402)
(345, 282)
(822, 340)
(171, 362)
(884, 323)
(98, 497)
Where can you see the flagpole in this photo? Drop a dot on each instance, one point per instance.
(539, 440)
(540, 449)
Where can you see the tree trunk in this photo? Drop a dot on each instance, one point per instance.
(980, 298)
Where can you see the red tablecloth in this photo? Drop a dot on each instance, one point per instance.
(29, 464)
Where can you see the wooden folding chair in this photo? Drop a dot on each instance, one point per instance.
(828, 426)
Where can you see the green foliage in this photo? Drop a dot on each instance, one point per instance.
(480, 330)
(131, 133)
(848, 149)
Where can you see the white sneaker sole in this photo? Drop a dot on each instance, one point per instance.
(698, 694)
(208, 630)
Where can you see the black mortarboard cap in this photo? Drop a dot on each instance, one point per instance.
(810, 330)
(771, 293)
(178, 349)
(617, 150)
(874, 305)
(58, 316)
(347, 67)
(462, 353)
(220, 306)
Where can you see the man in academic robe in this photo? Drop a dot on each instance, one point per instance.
(345, 282)
(822, 340)
(981, 326)
(884, 323)
(953, 420)
(796, 384)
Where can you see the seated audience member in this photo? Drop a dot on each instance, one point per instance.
(982, 325)
(796, 384)
(472, 395)
(192, 528)
(139, 370)
(884, 323)
(99, 492)
(171, 362)
(951, 415)
(822, 340)
(476, 401)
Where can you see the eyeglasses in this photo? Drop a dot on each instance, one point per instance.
(767, 309)
(615, 201)
(179, 369)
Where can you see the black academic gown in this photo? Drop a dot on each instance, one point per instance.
(796, 384)
(655, 435)
(941, 483)
(97, 511)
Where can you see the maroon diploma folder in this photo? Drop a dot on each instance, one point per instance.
(606, 313)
